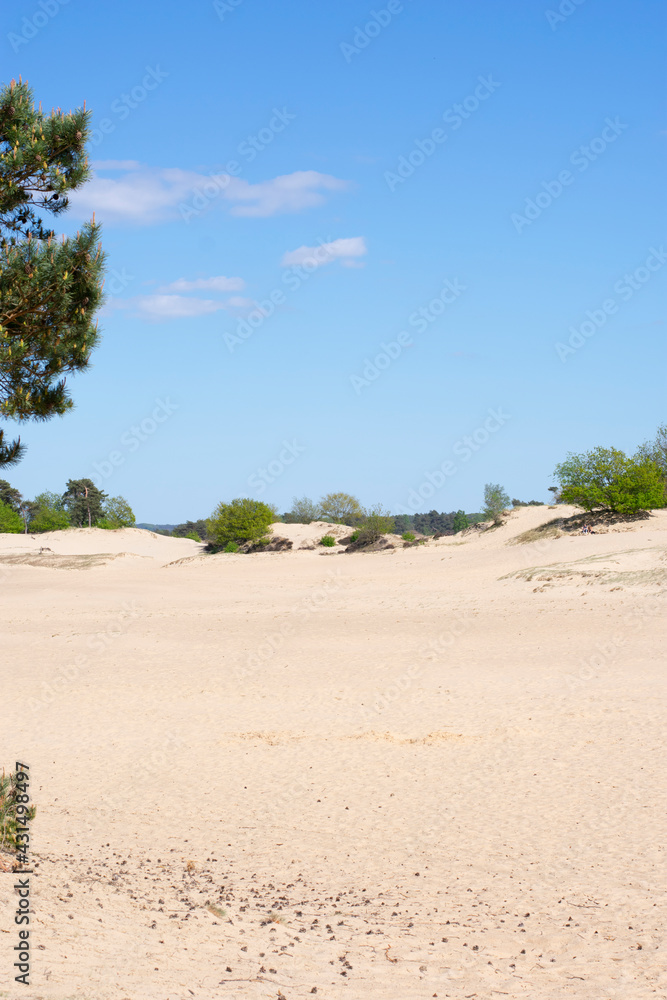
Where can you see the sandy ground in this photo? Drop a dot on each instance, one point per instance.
(430, 772)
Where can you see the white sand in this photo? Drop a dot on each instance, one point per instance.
(401, 755)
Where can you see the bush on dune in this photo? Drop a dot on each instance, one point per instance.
(242, 520)
(607, 479)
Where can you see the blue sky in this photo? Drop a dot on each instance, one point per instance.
(469, 184)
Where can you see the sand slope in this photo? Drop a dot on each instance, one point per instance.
(429, 771)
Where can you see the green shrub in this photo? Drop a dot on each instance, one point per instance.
(607, 479)
(496, 502)
(328, 541)
(10, 521)
(231, 547)
(408, 536)
(242, 520)
(354, 536)
(9, 820)
(193, 536)
(460, 521)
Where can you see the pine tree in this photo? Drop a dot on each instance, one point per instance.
(49, 289)
(84, 502)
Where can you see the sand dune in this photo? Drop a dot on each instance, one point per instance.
(430, 771)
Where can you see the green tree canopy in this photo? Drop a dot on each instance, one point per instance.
(607, 479)
(84, 502)
(47, 513)
(496, 501)
(460, 521)
(10, 520)
(117, 513)
(242, 520)
(10, 496)
(49, 289)
(340, 508)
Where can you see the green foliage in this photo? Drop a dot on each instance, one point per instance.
(10, 496)
(527, 503)
(10, 521)
(303, 512)
(328, 541)
(190, 529)
(496, 502)
(47, 513)
(117, 513)
(84, 503)
(242, 520)
(377, 521)
(193, 536)
(231, 547)
(355, 536)
(49, 289)
(340, 508)
(607, 479)
(408, 536)
(656, 450)
(460, 521)
(9, 812)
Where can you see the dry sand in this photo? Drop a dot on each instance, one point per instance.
(433, 771)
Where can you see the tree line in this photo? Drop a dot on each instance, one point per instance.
(82, 505)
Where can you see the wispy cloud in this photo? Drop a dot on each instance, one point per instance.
(148, 195)
(346, 250)
(216, 284)
(160, 307)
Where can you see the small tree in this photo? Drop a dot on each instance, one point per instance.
(10, 521)
(242, 520)
(340, 508)
(303, 511)
(47, 513)
(84, 502)
(117, 513)
(460, 521)
(377, 522)
(496, 502)
(607, 479)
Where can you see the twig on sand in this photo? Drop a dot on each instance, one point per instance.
(388, 956)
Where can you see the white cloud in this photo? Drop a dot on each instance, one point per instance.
(345, 250)
(160, 307)
(216, 284)
(147, 195)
